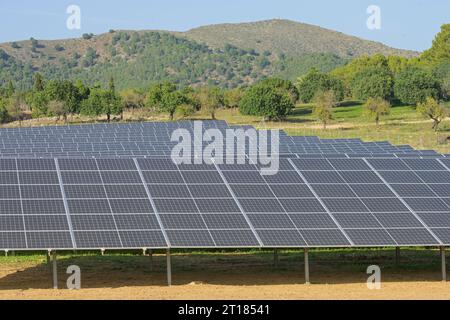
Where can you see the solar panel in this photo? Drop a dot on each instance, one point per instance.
(326, 196)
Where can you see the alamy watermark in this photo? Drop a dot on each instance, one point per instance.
(374, 280)
(74, 280)
(73, 22)
(374, 20)
(238, 146)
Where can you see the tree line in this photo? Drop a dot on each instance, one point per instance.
(377, 81)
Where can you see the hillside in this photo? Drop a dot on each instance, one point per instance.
(224, 55)
(291, 38)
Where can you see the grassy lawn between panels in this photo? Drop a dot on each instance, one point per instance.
(251, 274)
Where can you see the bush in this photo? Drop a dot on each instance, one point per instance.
(266, 101)
(88, 36)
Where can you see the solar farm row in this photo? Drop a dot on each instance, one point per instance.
(153, 139)
(66, 204)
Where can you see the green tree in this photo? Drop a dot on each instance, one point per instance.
(210, 100)
(348, 72)
(133, 98)
(324, 102)
(83, 90)
(284, 85)
(3, 110)
(95, 103)
(440, 50)
(377, 107)
(432, 109)
(372, 82)
(113, 102)
(39, 102)
(233, 97)
(267, 102)
(314, 82)
(38, 82)
(64, 91)
(442, 72)
(414, 85)
(16, 107)
(165, 97)
(10, 90)
(57, 108)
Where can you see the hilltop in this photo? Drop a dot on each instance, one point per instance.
(290, 38)
(227, 55)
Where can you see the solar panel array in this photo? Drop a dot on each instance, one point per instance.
(152, 203)
(128, 194)
(153, 139)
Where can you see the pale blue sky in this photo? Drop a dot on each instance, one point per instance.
(407, 24)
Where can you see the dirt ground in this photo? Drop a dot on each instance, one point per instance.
(222, 277)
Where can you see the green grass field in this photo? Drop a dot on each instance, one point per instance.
(402, 126)
(329, 260)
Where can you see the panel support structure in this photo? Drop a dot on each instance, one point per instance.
(444, 265)
(150, 254)
(307, 266)
(397, 255)
(275, 258)
(66, 206)
(169, 269)
(55, 271)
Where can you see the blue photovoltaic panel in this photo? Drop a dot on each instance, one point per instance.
(327, 195)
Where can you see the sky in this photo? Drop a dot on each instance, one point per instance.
(406, 24)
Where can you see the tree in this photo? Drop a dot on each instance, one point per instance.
(165, 97)
(66, 92)
(373, 82)
(83, 90)
(233, 97)
(433, 110)
(3, 110)
(38, 82)
(10, 90)
(39, 102)
(57, 108)
(210, 100)
(348, 72)
(16, 108)
(90, 58)
(414, 85)
(442, 72)
(440, 50)
(34, 44)
(87, 36)
(266, 101)
(284, 85)
(377, 107)
(314, 82)
(133, 98)
(324, 102)
(113, 103)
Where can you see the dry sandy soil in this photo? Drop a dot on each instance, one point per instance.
(221, 277)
